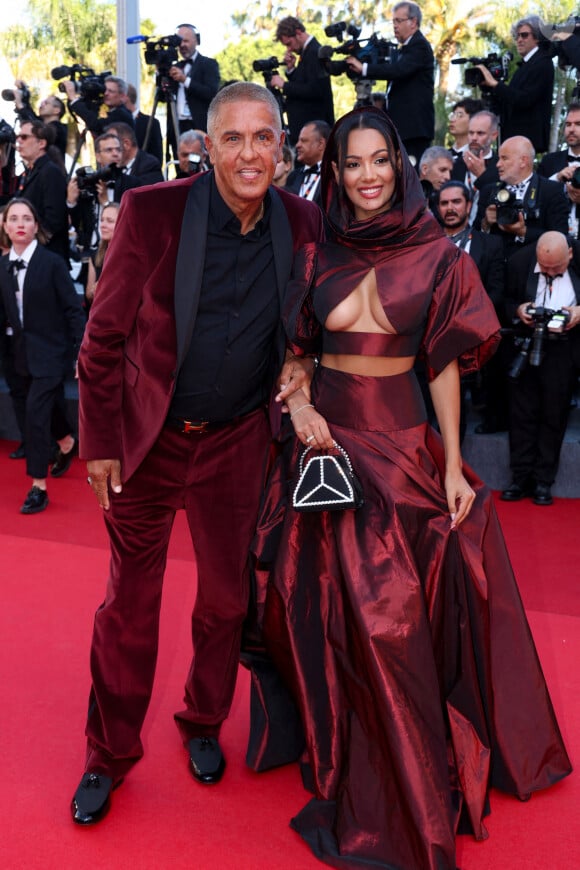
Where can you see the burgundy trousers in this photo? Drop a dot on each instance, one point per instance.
(216, 477)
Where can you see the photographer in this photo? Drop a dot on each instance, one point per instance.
(43, 183)
(564, 166)
(113, 98)
(51, 111)
(138, 167)
(458, 126)
(547, 277)
(192, 156)
(307, 93)
(197, 79)
(88, 192)
(525, 104)
(411, 78)
(523, 205)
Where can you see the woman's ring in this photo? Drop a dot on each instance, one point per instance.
(310, 438)
(90, 481)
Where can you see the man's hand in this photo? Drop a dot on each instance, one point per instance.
(177, 74)
(70, 90)
(517, 229)
(296, 374)
(474, 163)
(573, 193)
(354, 64)
(72, 191)
(574, 312)
(488, 79)
(567, 172)
(277, 82)
(100, 470)
(522, 312)
(289, 60)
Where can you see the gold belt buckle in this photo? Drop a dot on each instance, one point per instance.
(198, 426)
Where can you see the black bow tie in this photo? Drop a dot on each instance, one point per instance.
(312, 170)
(16, 265)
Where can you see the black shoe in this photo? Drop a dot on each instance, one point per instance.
(35, 501)
(542, 494)
(206, 758)
(19, 453)
(515, 492)
(63, 461)
(92, 799)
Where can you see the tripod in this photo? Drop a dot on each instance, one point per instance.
(165, 92)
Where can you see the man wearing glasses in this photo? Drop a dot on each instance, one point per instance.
(43, 183)
(410, 74)
(525, 104)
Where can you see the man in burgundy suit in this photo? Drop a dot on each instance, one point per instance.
(179, 361)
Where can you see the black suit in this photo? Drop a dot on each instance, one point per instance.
(155, 143)
(204, 76)
(45, 187)
(411, 90)
(41, 348)
(146, 169)
(307, 92)
(525, 104)
(555, 162)
(96, 124)
(545, 207)
(540, 398)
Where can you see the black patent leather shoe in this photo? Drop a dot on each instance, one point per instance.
(63, 461)
(35, 502)
(19, 453)
(92, 799)
(206, 759)
(515, 492)
(542, 494)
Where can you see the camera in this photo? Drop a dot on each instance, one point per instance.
(371, 50)
(161, 52)
(88, 85)
(9, 95)
(498, 65)
(575, 180)
(531, 347)
(88, 178)
(268, 66)
(508, 206)
(7, 134)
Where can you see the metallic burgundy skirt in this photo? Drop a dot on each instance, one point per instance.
(405, 644)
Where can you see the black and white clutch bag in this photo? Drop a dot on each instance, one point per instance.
(326, 482)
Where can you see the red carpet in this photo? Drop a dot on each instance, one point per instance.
(53, 568)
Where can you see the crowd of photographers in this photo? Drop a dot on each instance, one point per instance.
(517, 216)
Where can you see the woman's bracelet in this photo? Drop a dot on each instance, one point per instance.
(301, 408)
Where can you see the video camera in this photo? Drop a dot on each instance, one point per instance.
(9, 95)
(268, 67)
(88, 85)
(498, 65)
(88, 178)
(161, 52)
(371, 50)
(547, 322)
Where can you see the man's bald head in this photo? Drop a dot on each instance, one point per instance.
(553, 253)
(515, 159)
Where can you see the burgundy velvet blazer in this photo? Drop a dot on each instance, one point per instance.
(144, 311)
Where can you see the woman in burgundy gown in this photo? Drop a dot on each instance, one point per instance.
(398, 626)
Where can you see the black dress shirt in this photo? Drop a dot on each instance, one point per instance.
(227, 368)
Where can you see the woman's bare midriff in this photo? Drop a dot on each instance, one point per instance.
(373, 366)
